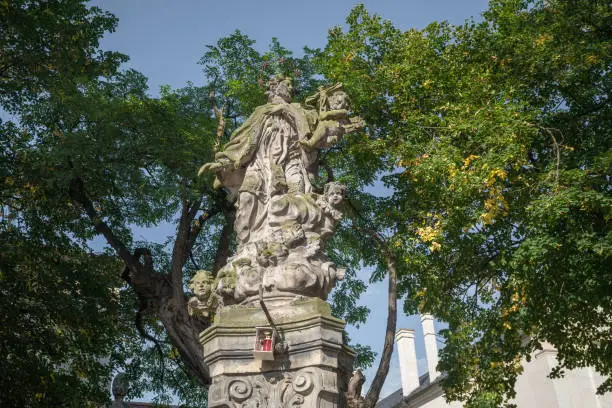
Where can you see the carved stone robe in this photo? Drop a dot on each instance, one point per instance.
(266, 159)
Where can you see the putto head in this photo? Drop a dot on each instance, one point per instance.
(335, 192)
(337, 100)
(201, 282)
(328, 98)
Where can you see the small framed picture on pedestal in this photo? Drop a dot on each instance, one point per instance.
(264, 343)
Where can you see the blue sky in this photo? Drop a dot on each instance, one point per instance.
(165, 39)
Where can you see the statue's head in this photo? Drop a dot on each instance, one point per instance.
(202, 283)
(335, 193)
(337, 100)
(279, 89)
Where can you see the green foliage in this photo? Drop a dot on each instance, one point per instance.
(238, 73)
(50, 44)
(494, 139)
(54, 353)
(77, 117)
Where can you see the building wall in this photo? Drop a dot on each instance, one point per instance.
(577, 389)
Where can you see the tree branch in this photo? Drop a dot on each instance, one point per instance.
(77, 194)
(197, 226)
(180, 253)
(153, 288)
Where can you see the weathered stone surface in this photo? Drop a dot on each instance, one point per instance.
(313, 387)
(120, 388)
(269, 168)
(204, 302)
(312, 371)
(283, 223)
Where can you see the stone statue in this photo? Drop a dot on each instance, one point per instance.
(120, 388)
(282, 224)
(264, 158)
(353, 394)
(203, 286)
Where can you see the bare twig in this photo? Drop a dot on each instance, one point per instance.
(197, 226)
(193, 261)
(557, 152)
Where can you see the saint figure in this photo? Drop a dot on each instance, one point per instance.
(265, 158)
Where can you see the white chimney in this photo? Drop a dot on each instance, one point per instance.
(407, 360)
(431, 347)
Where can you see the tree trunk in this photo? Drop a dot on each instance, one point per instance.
(159, 290)
(385, 360)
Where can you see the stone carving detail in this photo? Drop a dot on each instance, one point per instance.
(282, 225)
(268, 390)
(204, 303)
(353, 394)
(120, 388)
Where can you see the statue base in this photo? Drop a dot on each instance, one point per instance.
(310, 369)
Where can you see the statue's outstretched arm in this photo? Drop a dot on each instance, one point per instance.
(212, 166)
(356, 123)
(337, 114)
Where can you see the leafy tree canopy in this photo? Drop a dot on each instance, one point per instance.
(494, 138)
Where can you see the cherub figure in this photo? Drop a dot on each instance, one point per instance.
(204, 302)
(334, 121)
(333, 195)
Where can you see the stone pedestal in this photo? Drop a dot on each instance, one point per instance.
(312, 372)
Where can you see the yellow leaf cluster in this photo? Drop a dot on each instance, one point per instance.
(428, 233)
(173, 354)
(419, 159)
(421, 296)
(33, 188)
(495, 205)
(402, 163)
(519, 298)
(396, 242)
(469, 159)
(495, 174)
(434, 247)
(542, 39)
